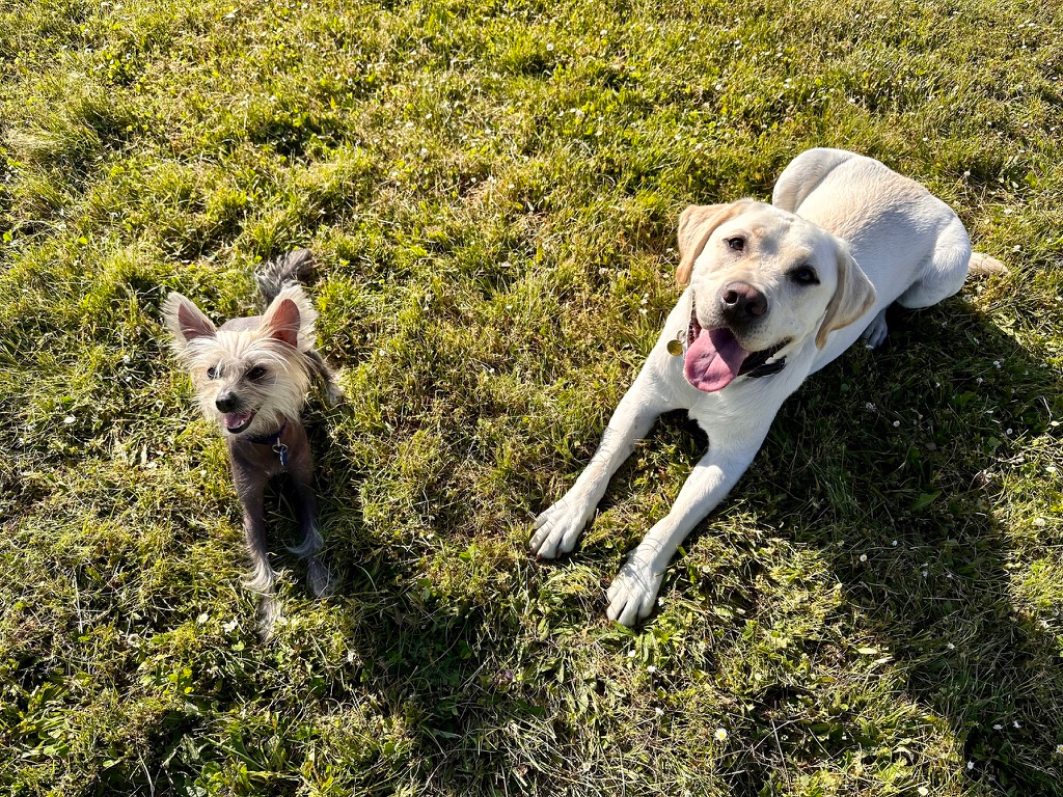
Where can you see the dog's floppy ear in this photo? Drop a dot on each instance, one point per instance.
(696, 224)
(852, 298)
(290, 318)
(185, 321)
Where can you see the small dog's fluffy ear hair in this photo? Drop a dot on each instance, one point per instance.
(290, 318)
(185, 321)
(696, 224)
(852, 298)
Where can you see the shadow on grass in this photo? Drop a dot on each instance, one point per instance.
(914, 482)
(924, 467)
(429, 660)
(949, 609)
(894, 465)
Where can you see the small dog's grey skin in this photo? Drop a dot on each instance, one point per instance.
(252, 375)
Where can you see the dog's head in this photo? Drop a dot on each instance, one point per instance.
(250, 374)
(763, 281)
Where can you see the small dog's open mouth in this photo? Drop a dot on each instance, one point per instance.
(236, 422)
(714, 357)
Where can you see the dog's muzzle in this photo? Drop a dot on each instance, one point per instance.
(755, 366)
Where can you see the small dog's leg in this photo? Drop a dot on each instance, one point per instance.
(252, 494)
(558, 528)
(632, 593)
(317, 574)
(269, 612)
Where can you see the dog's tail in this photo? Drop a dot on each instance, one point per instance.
(273, 276)
(982, 263)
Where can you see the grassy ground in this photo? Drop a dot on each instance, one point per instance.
(492, 190)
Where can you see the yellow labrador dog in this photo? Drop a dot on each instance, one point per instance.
(775, 293)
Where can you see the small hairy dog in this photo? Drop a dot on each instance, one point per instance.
(252, 376)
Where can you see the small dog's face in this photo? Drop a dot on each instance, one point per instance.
(249, 374)
(762, 280)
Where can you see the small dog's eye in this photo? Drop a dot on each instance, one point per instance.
(738, 244)
(256, 373)
(804, 276)
(212, 372)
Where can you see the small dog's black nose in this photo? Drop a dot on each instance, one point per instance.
(226, 402)
(741, 302)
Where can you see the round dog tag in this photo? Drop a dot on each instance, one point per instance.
(675, 348)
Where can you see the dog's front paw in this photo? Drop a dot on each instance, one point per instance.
(558, 528)
(634, 589)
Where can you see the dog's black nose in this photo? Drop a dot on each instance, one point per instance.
(226, 401)
(741, 302)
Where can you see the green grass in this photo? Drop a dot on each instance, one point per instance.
(492, 190)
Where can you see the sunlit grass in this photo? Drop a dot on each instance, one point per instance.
(492, 192)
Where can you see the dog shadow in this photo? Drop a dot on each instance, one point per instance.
(418, 653)
(914, 451)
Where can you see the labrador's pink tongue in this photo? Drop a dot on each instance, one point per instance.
(713, 360)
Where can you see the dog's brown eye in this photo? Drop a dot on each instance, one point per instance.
(738, 244)
(256, 373)
(804, 276)
(212, 372)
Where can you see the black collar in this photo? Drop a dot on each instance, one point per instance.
(767, 369)
(274, 440)
(267, 439)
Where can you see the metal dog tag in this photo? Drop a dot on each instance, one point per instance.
(677, 345)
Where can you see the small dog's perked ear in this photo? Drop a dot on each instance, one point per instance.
(290, 318)
(852, 298)
(696, 224)
(185, 321)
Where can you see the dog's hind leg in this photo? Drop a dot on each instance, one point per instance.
(317, 575)
(876, 332)
(943, 276)
(320, 369)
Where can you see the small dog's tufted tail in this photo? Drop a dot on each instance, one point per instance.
(982, 263)
(289, 269)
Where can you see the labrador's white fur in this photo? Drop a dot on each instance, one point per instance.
(870, 236)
